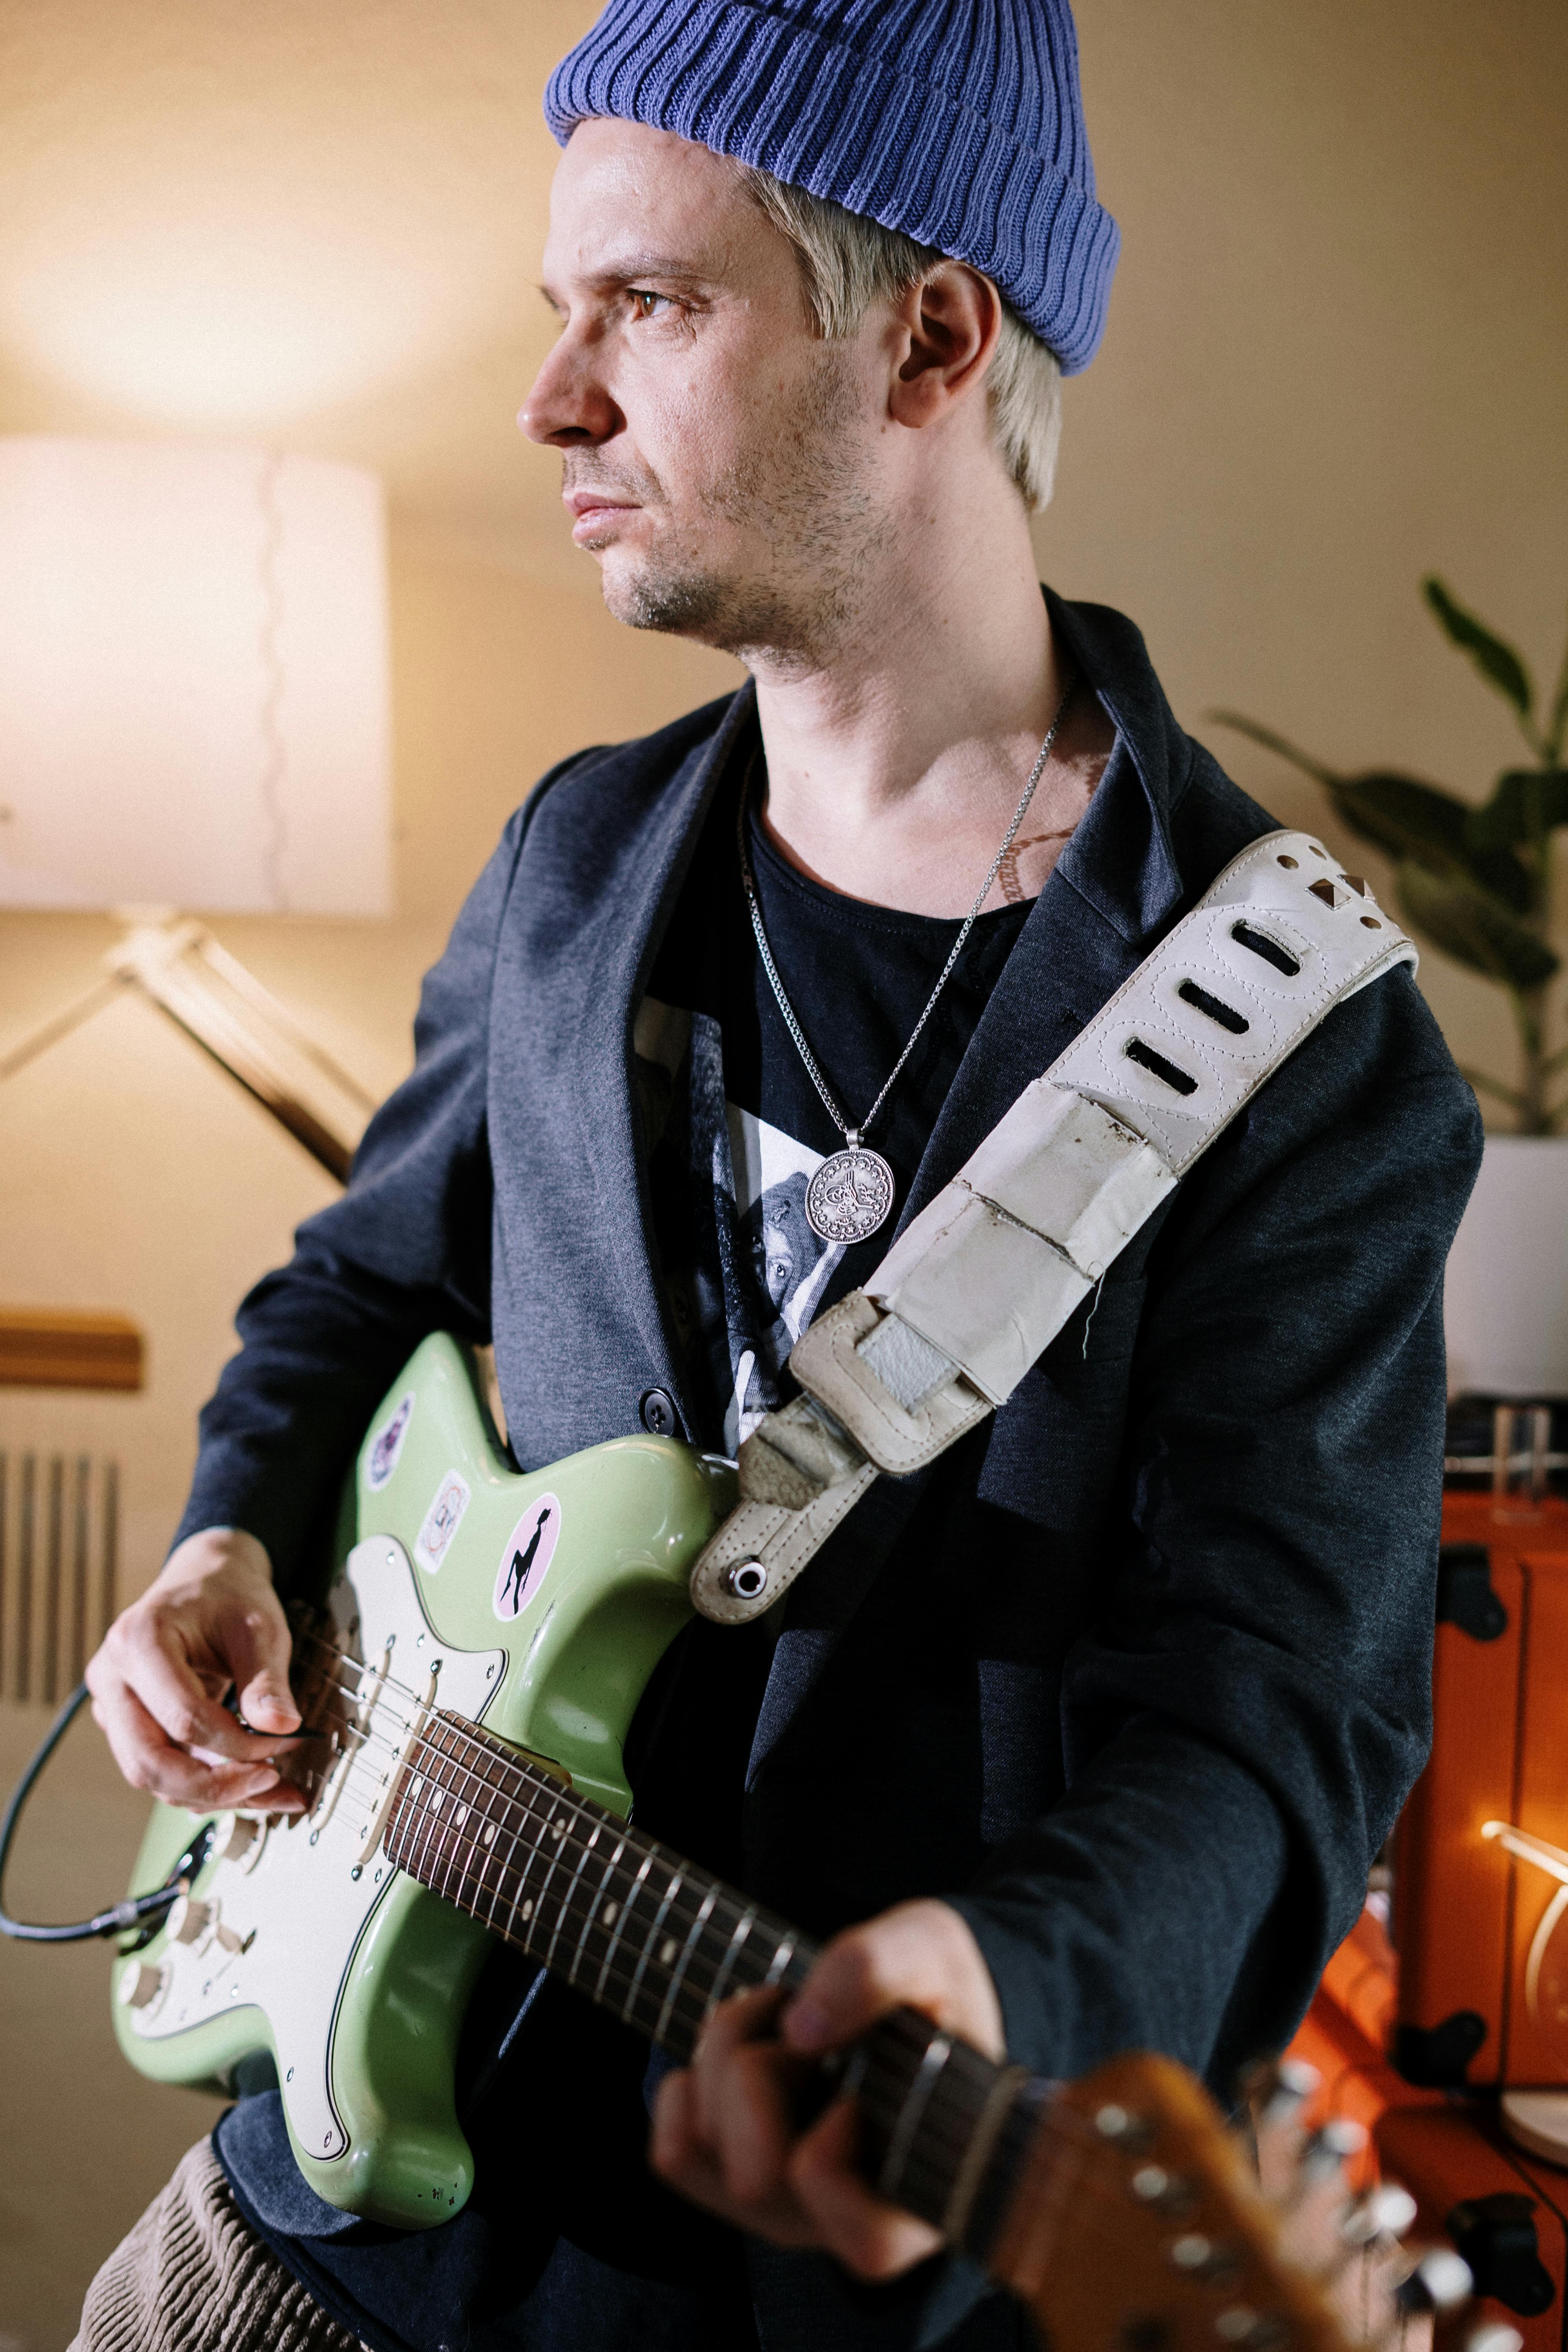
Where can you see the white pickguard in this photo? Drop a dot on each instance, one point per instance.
(300, 1898)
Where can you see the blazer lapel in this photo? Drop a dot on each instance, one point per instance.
(633, 916)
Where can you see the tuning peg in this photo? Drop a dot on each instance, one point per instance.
(1329, 2147)
(1384, 2211)
(1439, 2282)
(1122, 2125)
(1494, 2336)
(1278, 2089)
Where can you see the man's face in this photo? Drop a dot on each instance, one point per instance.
(719, 457)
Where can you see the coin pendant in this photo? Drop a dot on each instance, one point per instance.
(849, 1196)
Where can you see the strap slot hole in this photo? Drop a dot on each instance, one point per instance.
(1156, 1064)
(1269, 950)
(1226, 1014)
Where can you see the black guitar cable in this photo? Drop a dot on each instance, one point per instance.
(130, 1914)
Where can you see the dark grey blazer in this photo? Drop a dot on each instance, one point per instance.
(1147, 1694)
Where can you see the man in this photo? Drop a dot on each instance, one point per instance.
(1093, 1725)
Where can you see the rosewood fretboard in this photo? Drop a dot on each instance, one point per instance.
(651, 1938)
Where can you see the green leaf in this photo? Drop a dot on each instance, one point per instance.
(1558, 727)
(1469, 924)
(1407, 818)
(1403, 815)
(1525, 803)
(1258, 733)
(1496, 661)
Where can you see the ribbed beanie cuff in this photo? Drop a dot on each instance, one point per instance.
(958, 121)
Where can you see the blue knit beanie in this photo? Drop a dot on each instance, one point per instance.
(958, 121)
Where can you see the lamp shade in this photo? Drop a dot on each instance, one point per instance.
(193, 692)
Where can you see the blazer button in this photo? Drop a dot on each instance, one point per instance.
(660, 1417)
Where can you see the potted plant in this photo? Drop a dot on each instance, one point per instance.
(1474, 882)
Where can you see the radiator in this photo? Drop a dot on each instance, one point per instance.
(60, 1546)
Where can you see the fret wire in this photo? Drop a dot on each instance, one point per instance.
(889, 2179)
(591, 1914)
(659, 1917)
(534, 1815)
(693, 1936)
(445, 1824)
(618, 1925)
(458, 1818)
(438, 1822)
(566, 1911)
(437, 1736)
(732, 1952)
(551, 1824)
(434, 1824)
(780, 1962)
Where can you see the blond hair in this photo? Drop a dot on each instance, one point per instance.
(848, 262)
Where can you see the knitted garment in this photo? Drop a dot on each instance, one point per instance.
(958, 121)
(193, 2277)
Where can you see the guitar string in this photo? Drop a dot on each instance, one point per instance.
(444, 1849)
(464, 1846)
(521, 1796)
(568, 1914)
(469, 1850)
(690, 1947)
(1067, 2129)
(442, 1854)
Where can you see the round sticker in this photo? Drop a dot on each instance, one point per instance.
(530, 1548)
(442, 1520)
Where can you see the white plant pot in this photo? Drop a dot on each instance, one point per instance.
(1506, 1295)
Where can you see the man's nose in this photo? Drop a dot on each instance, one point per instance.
(569, 403)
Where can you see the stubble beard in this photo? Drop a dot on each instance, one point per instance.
(800, 496)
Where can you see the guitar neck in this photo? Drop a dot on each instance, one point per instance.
(657, 1941)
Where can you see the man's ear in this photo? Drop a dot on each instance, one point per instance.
(948, 324)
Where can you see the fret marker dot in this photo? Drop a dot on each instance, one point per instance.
(417, 1784)
(528, 1908)
(488, 1833)
(610, 1911)
(461, 1814)
(436, 1800)
(668, 1950)
(558, 1829)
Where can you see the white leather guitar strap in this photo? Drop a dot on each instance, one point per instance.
(981, 1281)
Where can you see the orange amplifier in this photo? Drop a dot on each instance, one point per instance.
(1482, 1856)
(1450, 2043)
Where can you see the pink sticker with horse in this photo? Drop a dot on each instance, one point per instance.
(530, 1548)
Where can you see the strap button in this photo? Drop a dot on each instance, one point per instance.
(660, 1417)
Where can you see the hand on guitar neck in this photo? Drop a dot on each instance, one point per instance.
(209, 1621)
(724, 2131)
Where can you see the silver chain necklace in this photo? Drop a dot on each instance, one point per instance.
(851, 1194)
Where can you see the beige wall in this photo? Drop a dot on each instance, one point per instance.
(1336, 356)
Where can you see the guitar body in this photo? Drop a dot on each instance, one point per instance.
(536, 1605)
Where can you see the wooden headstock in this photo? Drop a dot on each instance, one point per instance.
(1140, 2225)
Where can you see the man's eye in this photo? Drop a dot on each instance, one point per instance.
(645, 302)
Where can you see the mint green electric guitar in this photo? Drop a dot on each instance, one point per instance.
(468, 1686)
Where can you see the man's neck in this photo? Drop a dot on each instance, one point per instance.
(895, 762)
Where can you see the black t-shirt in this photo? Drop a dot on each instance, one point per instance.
(734, 1130)
(734, 1126)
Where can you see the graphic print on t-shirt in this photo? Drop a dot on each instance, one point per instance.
(744, 1213)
